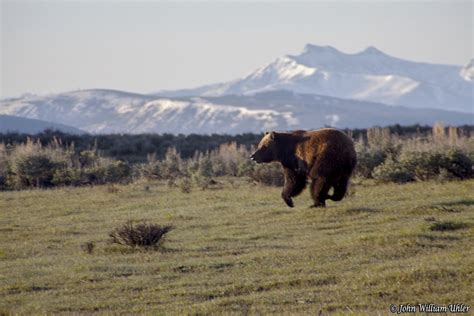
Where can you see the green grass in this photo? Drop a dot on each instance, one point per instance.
(237, 250)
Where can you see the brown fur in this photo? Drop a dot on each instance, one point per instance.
(326, 157)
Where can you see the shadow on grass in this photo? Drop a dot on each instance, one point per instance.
(280, 212)
(122, 249)
(447, 226)
(464, 202)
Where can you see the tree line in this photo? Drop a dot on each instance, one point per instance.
(135, 148)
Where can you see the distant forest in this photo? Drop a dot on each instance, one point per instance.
(135, 148)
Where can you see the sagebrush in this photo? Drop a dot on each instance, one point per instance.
(444, 154)
(139, 235)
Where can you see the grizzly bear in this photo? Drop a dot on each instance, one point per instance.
(326, 157)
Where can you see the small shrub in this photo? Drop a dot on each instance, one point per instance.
(423, 165)
(245, 168)
(140, 235)
(172, 166)
(205, 168)
(427, 165)
(393, 171)
(447, 226)
(104, 171)
(112, 189)
(3, 167)
(445, 175)
(232, 183)
(151, 170)
(69, 176)
(88, 158)
(93, 175)
(202, 182)
(33, 170)
(458, 164)
(117, 171)
(170, 183)
(185, 185)
(218, 167)
(368, 160)
(268, 174)
(88, 247)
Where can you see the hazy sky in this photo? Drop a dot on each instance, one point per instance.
(53, 46)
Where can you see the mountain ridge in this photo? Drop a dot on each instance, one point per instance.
(111, 111)
(369, 75)
(319, 87)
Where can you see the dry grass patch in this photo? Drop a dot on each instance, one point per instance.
(140, 235)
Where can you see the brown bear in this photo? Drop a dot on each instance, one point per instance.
(326, 157)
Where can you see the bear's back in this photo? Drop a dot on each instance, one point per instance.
(328, 148)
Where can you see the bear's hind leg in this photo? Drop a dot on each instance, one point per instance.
(340, 189)
(294, 184)
(319, 191)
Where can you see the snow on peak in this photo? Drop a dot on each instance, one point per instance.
(110, 112)
(468, 71)
(198, 115)
(369, 75)
(283, 68)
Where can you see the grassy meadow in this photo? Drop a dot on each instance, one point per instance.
(237, 249)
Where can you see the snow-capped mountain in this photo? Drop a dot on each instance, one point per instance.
(319, 87)
(90, 110)
(109, 111)
(369, 75)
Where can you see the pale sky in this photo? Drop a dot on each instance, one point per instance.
(56, 46)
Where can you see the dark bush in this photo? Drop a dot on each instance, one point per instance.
(205, 167)
(393, 171)
(458, 164)
(245, 168)
(117, 171)
(268, 174)
(435, 165)
(151, 169)
(88, 158)
(140, 235)
(35, 170)
(172, 166)
(69, 176)
(368, 160)
(88, 247)
(185, 185)
(422, 165)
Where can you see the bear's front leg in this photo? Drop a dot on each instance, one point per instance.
(290, 177)
(319, 191)
(288, 200)
(294, 184)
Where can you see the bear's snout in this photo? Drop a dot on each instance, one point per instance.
(256, 157)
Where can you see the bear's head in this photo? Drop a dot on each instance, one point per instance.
(267, 149)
